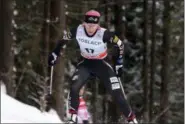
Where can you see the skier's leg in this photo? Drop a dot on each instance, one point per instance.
(112, 84)
(78, 80)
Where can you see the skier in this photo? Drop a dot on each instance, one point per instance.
(92, 40)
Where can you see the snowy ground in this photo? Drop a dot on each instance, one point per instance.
(13, 111)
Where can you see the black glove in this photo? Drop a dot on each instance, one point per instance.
(52, 59)
(119, 67)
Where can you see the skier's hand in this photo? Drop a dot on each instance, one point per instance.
(119, 67)
(119, 70)
(52, 59)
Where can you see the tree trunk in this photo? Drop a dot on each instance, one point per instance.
(106, 15)
(45, 36)
(152, 67)
(104, 107)
(6, 41)
(94, 100)
(57, 27)
(164, 102)
(85, 7)
(45, 50)
(120, 26)
(145, 62)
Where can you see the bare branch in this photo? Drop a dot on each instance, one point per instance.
(20, 80)
(160, 114)
(34, 99)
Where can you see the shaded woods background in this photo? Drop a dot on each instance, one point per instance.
(153, 63)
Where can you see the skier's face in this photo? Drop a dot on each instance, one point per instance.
(91, 28)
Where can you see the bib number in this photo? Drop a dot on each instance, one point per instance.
(89, 50)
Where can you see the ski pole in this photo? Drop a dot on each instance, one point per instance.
(51, 80)
(122, 87)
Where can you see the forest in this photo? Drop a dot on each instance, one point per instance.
(153, 77)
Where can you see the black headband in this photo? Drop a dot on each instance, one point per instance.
(91, 19)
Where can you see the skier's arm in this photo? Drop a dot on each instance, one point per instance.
(68, 35)
(61, 44)
(110, 37)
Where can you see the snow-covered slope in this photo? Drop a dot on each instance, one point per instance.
(13, 111)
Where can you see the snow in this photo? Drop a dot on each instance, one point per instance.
(15, 12)
(14, 111)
